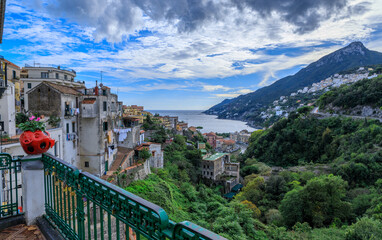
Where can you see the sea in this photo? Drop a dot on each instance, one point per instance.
(210, 123)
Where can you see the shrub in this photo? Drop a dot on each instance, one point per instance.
(365, 228)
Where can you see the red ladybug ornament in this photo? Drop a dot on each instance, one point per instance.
(36, 142)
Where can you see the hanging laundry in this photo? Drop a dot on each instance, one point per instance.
(109, 136)
(110, 151)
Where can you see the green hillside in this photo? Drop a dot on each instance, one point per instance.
(248, 107)
(367, 92)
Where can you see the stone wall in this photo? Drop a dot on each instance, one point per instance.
(45, 101)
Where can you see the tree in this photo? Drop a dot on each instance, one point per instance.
(319, 202)
(252, 191)
(144, 154)
(253, 207)
(305, 110)
(292, 207)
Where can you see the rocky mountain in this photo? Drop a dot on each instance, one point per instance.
(248, 107)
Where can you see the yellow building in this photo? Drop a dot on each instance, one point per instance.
(13, 75)
(136, 112)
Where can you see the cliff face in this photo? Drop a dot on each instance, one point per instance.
(248, 107)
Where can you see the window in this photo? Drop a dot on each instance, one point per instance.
(73, 127)
(86, 164)
(57, 76)
(104, 106)
(105, 127)
(14, 74)
(66, 77)
(44, 75)
(104, 92)
(29, 85)
(67, 128)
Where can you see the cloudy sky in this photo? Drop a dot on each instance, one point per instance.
(185, 54)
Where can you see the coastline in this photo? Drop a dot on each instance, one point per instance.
(209, 122)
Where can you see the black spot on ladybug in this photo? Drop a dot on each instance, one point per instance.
(31, 149)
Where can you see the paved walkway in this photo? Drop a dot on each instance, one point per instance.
(20, 232)
(327, 115)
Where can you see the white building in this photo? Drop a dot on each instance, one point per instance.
(156, 158)
(31, 76)
(100, 114)
(7, 108)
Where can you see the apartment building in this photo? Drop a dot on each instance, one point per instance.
(31, 76)
(100, 115)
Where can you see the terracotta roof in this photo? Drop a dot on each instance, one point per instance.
(63, 89)
(120, 158)
(229, 142)
(139, 148)
(11, 63)
(211, 134)
(142, 131)
(89, 101)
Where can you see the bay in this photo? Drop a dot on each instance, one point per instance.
(210, 123)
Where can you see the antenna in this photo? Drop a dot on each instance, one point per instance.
(101, 75)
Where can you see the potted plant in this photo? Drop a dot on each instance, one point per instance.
(34, 139)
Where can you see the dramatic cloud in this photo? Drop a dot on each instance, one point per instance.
(200, 49)
(115, 20)
(305, 15)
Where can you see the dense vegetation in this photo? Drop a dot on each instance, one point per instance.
(341, 199)
(331, 175)
(367, 92)
(304, 178)
(342, 141)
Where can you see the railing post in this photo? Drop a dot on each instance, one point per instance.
(32, 169)
(80, 217)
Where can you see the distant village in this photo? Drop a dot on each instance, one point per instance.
(286, 104)
(97, 133)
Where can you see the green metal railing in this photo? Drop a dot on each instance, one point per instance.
(10, 186)
(83, 206)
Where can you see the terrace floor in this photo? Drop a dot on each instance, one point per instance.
(20, 232)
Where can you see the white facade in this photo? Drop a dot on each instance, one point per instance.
(156, 159)
(69, 123)
(15, 149)
(7, 110)
(99, 116)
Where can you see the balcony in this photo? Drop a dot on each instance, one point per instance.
(3, 84)
(71, 112)
(89, 108)
(81, 206)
